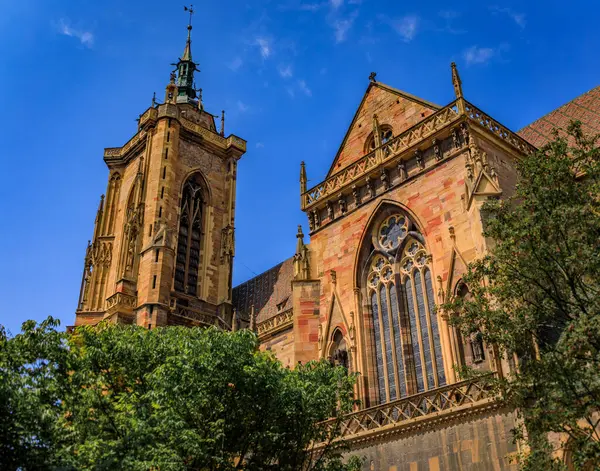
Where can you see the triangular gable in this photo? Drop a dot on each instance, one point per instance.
(458, 267)
(335, 318)
(484, 186)
(393, 107)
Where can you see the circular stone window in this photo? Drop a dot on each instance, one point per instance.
(392, 231)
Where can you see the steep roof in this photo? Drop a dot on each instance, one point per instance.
(585, 108)
(269, 293)
(377, 98)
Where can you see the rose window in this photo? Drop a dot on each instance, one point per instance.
(393, 231)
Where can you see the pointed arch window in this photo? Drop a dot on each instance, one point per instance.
(190, 237)
(406, 335)
(339, 351)
(385, 135)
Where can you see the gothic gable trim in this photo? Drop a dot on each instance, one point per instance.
(388, 89)
(484, 186)
(327, 339)
(455, 256)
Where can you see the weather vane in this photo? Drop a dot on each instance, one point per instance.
(191, 10)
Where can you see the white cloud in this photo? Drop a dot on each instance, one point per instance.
(406, 27)
(285, 71)
(341, 26)
(242, 107)
(478, 55)
(304, 88)
(518, 18)
(290, 91)
(85, 37)
(335, 4)
(235, 64)
(260, 145)
(265, 47)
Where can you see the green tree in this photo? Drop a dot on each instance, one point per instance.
(536, 296)
(31, 368)
(187, 399)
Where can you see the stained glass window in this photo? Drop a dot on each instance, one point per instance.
(385, 320)
(422, 358)
(414, 334)
(397, 339)
(435, 329)
(424, 328)
(378, 350)
(189, 239)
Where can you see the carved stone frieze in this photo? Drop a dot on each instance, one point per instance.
(276, 323)
(121, 300)
(386, 152)
(422, 411)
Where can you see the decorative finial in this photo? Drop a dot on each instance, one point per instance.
(303, 179)
(223, 123)
(372, 77)
(172, 77)
(200, 104)
(153, 99)
(456, 82)
(376, 131)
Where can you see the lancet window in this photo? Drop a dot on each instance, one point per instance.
(339, 351)
(406, 334)
(190, 237)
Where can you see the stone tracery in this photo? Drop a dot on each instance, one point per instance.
(408, 354)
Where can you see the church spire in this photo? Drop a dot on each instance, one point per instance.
(186, 67)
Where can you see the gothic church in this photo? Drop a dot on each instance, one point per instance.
(393, 226)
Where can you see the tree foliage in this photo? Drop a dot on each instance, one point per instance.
(114, 397)
(536, 296)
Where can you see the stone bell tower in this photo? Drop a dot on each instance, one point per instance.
(163, 243)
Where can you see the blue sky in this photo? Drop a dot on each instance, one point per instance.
(74, 75)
